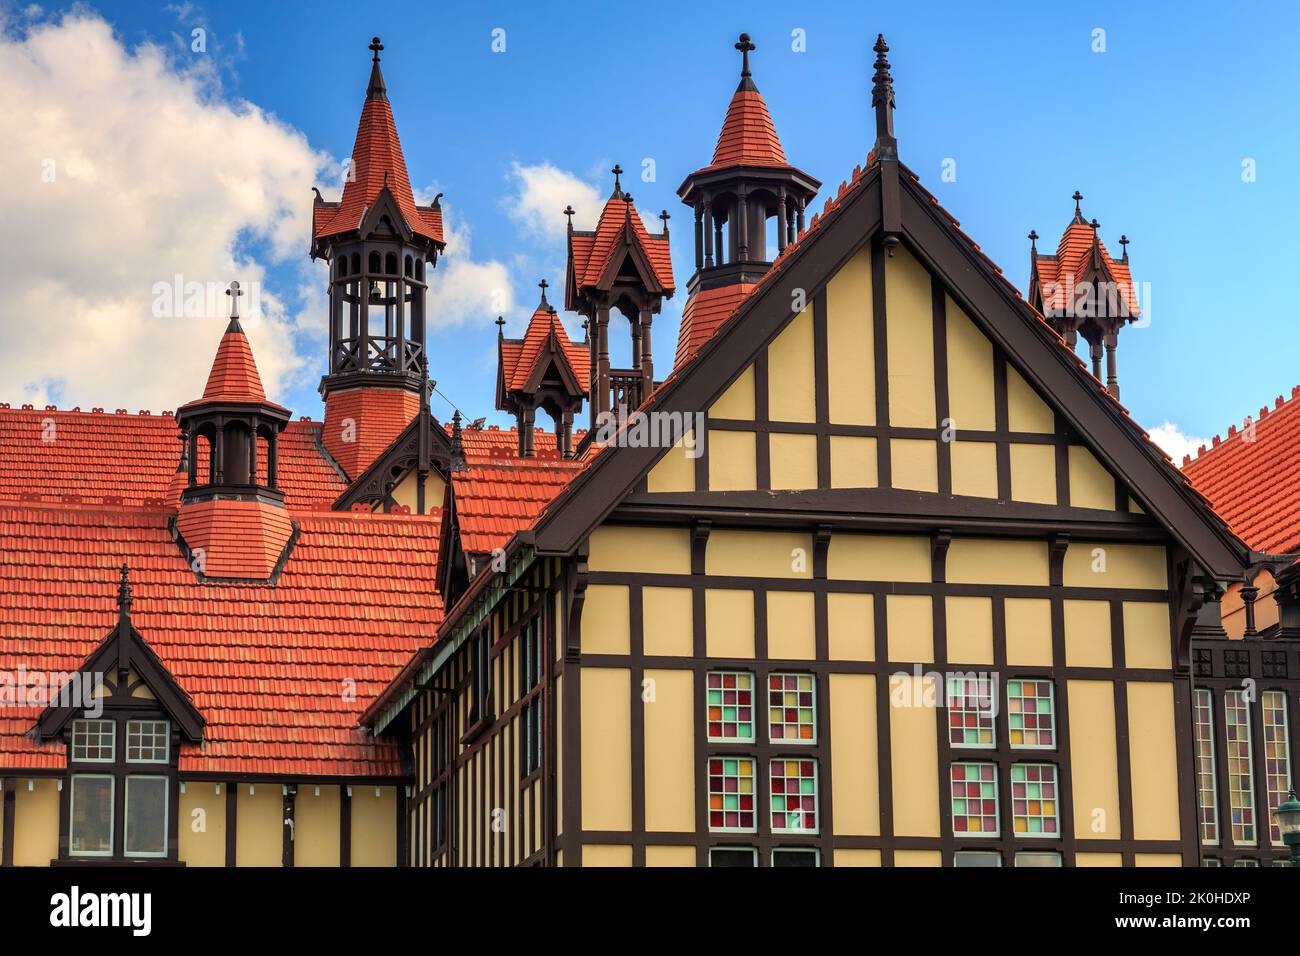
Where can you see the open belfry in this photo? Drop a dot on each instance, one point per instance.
(873, 571)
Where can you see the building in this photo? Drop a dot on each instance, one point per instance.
(878, 574)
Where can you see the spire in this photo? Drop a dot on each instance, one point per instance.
(457, 443)
(124, 599)
(543, 304)
(746, 46)
(1123, 241)
(1078, 214)
(234, 292)
(618, 188)
(501, 327)
(376, 90)
(882, 100)
(568, 211)
(234, 376)
(663, 214)
(1033, 243)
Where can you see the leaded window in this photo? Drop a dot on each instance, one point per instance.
(791, 708)
(731, 706)
(1031, 714)
(794, 795)
(1207, 792)
(148, 741)
(94, 741)
(1277, 756)
(1034, 800)
(973, 788)
(1240, 764)
(731, 794)
(970, 711)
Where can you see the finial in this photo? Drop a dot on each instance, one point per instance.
(665, 217)
(501, 326)
(745, 46)
(1033, 242)
(234, 292)
(586, 329)
(1078, 215)
(568, 211)
(618, 187)
(424, 381)
(543, 286)
(457, 443)
(124, 600)
(319, 197)
(376, 89)
(882, 100)
(1095, 225)
(1123, 241)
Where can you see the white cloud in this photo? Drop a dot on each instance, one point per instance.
(541, 194)
(1176, 443)
(122, 170)
(462, 290)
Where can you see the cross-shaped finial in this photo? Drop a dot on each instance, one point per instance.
(665, 217)
(543, 286)
(568, 211)
(1077, 197)
(501, 325)
(1095, 225)
(234, 292)
(1123, 241)
(375, 46)
(617, 171)
(745, 46)
(1033, 235)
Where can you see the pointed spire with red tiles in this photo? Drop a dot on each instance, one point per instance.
(748, 182)
(234, 376)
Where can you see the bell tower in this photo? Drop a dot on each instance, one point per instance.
(748, 185)
(380, 246)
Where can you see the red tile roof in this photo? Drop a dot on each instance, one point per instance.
(705, 311)
(500, 493)
(280, 674)
(234, 376)
(591, 252)
(377, 162)
(1252, 478)
(360, 424)
(748, 137)
(98, 457)
(235, 539)
(519, 356)
(1058, 274)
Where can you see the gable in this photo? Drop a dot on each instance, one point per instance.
(890, 410)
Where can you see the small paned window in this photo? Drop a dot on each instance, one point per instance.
(147, 741)
(974, 793)
(481, 664)
(1207, 789)
(731, 706)
(731, 794)
(530, 666)
(1240, 761)
(1031, 714)
(794, 795)
(1034, 800)
(791, 708)
(94, 741)
(971, 709)
(1277, 756)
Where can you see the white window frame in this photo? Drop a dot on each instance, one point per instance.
(1050, 683)
(112, 734)
(811, 850)
(72, 813)
(126, 815)
(733, 849)
(167, 741)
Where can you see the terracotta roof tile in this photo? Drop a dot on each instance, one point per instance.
(360, 424)
(591, 252)
(748, 137)
(1252, 477)
(519, 356)
(704, 312)
(280, 674)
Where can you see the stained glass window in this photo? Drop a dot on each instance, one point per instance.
(1031, 714)
(731, 794)
(1207, 796)
(1241, 789)
(970, 711)
(794, 795)
(731, 706)
(1277, 756)
(1033, 800)
(791, 710)
(974, 789)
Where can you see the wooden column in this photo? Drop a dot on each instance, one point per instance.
(699, 235)
(782, 222)
(290, 792)
(601, 396)
(1112, 380)
(708, 232)
(742, 226)
(647, 358)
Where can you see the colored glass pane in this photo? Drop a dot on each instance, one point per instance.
(974, 792)
(794, 795)
(1034, 800)
(731, 794)
(731, 706)
(791, 708)
(1031, 714)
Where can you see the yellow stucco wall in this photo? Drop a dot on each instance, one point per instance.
(670, 751)
(36, 821)
(260, 825)
(201, 826)
(851, 364)
(1093, 760)
(374, 826)
(316, 826)
(914, 758)
(910, 341)
(856, 781)
(791, 382)
(606, 749)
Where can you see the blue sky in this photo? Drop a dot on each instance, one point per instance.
(1153, 131)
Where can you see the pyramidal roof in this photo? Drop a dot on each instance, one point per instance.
(234, 376)
(748, 137)
(519, 356)
(377, 164)
(591, 252)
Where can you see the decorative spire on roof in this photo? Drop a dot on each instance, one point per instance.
(376, 90)
(500, 323)
(618, 188)
(1078, 214)
(1123, 241)
(663, 214)
(568, 211)
(1033, 243)
(124, 599)
(746, 46)
(882, 100)
(234, 292)
(543, 304)
(457, 444)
